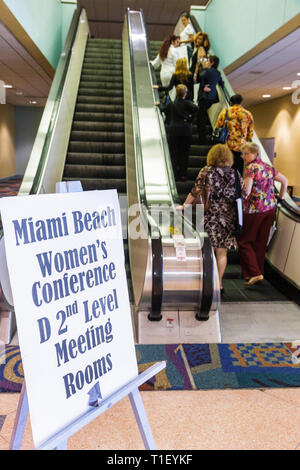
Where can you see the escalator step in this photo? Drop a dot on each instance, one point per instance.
(94, 70)
(93, 63)
(105, 85)
(98, 126)
(94, 99)
(100, 116)
(97, 147)
(97, 136)
(95, 158)
(197, 161)
(94, 108)
(95, 171)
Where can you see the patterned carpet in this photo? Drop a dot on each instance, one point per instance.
(194, 366)
(10, 186)
(189, 366)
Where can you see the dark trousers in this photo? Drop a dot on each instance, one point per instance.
(238, 161)
(179, 146)
(253, 242)
(202, 118)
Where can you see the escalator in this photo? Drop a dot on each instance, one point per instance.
(234, 288)
(254, 313)
(96, 150)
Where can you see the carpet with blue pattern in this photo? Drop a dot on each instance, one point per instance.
(194, 366)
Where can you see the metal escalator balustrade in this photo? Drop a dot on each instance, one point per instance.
(183, 279)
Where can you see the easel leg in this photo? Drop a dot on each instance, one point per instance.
(62, 445)
(20, 420)
(142, 420)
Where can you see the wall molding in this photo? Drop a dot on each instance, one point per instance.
(200, 7)
(13, 25)
(279, 34)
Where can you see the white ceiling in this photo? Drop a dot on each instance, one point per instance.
(279, 64)
(269, 71)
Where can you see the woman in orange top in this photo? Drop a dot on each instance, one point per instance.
(240, 126)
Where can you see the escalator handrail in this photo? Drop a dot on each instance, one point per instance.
(206, 296)
(153, 228)
(52, 106)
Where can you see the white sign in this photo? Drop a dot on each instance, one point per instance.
(66, 264)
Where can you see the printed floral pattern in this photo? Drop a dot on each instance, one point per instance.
(240, 126)
(262, 197)
(220, 218)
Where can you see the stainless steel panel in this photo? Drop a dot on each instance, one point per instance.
(292, 267)
(182, 276)
(139, 247)
(280, 245)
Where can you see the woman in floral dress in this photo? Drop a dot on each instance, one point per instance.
(259, 212)
(220, 216)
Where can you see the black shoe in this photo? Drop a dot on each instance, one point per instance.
(222, 291)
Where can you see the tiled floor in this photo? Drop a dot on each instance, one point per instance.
(187, 420)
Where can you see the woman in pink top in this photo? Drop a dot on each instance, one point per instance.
(259, 212)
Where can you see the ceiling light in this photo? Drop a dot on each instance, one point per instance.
(8, 86)
(19, 93)
(266, 96)
(298, 74)
(33, 102)
(287, 88)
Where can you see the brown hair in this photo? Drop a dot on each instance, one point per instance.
(220, 155)
(164, 48)
(205, 42)
(181, 70)
(181, 91)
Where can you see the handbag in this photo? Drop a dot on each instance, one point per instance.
(221, 134)
(239, 206)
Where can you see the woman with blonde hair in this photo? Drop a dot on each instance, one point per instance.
(181, 76)
(167, 58)
(259, 211)
(216, 184)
